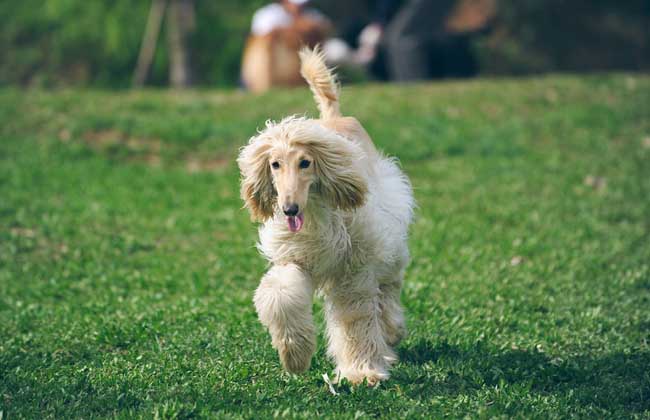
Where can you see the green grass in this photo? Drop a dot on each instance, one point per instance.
(127, 265)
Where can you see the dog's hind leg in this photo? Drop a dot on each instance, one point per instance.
(283, 302)
(392, 314)
(354, 327)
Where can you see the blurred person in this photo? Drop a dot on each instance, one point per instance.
(415, 39)
(278, 31)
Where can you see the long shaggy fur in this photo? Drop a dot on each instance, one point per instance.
(352, 249)
(322, 82)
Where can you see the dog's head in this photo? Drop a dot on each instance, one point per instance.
(294, 161)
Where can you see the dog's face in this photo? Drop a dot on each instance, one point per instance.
(295, 161)
(293, 174)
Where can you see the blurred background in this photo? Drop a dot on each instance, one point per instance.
(120, 43)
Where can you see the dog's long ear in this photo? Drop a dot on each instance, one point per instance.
(257, 189)
(338, 163)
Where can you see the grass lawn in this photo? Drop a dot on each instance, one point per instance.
(127, 265)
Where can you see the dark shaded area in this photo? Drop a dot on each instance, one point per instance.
(556, 35)
(618, 381)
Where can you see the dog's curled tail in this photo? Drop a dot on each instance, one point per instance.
(321, 81)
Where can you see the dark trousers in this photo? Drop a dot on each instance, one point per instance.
(418, 47)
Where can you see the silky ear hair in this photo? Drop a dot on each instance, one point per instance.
(257, 189)
(337, 164)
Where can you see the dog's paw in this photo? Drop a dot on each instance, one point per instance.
(357, 376)
(296, 353)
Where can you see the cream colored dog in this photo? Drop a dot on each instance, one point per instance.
(336, 214)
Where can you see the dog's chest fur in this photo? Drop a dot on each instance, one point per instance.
(332, 244)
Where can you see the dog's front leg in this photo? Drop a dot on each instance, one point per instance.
(284, 305)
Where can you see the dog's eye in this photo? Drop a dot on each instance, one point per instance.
(275, 165)
(304, 164)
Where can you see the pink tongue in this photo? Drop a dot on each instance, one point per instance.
(295, 222)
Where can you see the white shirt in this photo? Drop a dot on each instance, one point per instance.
(270, 17)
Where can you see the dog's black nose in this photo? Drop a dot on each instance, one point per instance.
(290, 210)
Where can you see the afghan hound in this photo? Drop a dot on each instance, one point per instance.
(336, 214)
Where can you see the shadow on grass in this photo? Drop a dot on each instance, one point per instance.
(616, 382)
